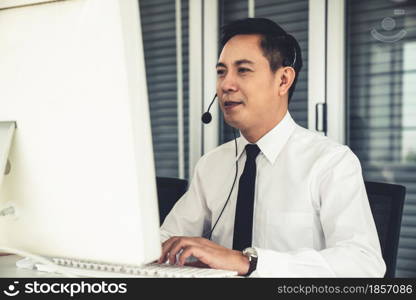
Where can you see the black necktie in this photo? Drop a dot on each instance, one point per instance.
(243, 224)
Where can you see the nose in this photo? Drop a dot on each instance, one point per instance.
(228, 83)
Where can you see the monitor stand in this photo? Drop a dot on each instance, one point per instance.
(6, 136)
(7, 129)
(7, 210)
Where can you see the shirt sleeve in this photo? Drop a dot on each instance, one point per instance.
(352, 245)
(190, 214)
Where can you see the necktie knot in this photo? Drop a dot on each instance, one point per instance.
(252, 151)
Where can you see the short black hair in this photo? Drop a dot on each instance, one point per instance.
(279, 47)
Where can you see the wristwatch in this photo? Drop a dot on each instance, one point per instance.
(251, 254)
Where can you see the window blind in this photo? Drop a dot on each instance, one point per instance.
(159, 40)
(382, 103)
(185, 77)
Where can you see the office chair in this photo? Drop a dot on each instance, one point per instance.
(169, 190)
(386, 202)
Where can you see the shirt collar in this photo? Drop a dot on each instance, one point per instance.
(272, 142)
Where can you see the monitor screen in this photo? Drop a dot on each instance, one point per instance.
(82, 179)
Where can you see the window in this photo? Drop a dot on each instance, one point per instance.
(160, 46)
(381, 43)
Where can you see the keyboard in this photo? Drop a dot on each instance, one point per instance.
(153, 270)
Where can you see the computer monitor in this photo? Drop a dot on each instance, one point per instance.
(82, 179)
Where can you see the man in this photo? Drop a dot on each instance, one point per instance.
(300, 207)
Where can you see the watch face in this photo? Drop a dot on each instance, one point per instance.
(250, 252)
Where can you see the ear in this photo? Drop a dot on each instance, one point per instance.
(286, 76)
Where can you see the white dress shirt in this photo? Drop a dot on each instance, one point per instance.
(311, 213)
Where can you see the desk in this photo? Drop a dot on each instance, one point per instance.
(8, 269)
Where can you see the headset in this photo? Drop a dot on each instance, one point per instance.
(206, 119)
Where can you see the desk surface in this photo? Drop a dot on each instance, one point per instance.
(8, 269)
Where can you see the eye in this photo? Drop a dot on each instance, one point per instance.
(220, 72)
(243, 70)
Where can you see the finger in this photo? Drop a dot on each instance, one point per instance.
(177, 248)
(166, 248)
(170, 241)
(174, 250)
(187, 252)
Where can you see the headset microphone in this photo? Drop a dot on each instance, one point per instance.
(206, 116)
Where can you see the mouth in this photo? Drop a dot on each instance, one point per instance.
(231, 104)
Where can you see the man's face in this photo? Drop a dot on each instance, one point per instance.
(248, 90)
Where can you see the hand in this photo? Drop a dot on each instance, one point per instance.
(206, 251)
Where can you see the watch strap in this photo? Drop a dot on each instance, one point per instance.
(253, 265)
